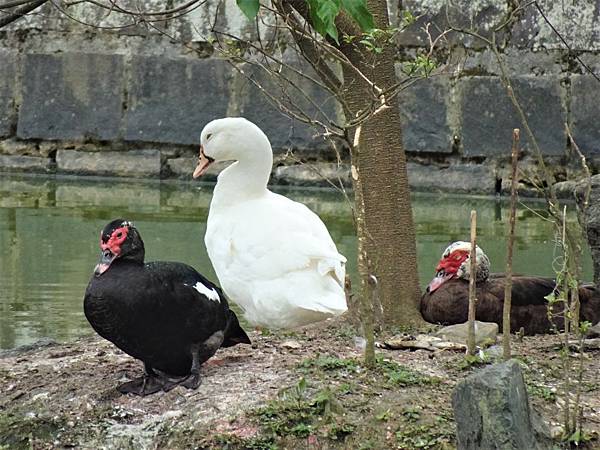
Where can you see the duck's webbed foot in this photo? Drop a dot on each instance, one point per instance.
(200, 353)
(150, 383)
(191, 381)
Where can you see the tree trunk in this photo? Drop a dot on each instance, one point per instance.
(388, 236)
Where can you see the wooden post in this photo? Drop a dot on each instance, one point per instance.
(472, 276)
(509, 249)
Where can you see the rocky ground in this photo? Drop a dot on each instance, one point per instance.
(303, 389)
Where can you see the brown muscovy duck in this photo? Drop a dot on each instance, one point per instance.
(446, 299)
(163, 313)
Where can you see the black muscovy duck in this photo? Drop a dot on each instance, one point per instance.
(446, 299)
(163, 313)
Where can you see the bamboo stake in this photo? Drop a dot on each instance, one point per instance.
(472, 276)
(509, 250)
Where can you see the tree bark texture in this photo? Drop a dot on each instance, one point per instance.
(388, 238)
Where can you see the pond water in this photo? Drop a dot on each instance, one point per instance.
(49, 239)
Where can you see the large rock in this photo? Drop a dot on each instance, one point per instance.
(71, 96)
(170, 100)
(133, 163)
(489, 117)
(592, 219)
(492, 411)
(485, 333)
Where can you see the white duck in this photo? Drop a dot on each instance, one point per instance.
(273, 256)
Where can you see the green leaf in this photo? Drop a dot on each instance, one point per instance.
(313, 6)
(327, 12)
(322, 15)
(359, 12)
(249, 7)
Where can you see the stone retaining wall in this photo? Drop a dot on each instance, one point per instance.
(132, 102)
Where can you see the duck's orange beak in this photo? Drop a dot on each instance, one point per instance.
(203, 163)
(440, 278)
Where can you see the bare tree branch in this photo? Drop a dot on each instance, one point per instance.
(14, 3)
(555, 31)
(309, 49)
(20, 12)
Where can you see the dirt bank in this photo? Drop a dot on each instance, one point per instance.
(305, 389)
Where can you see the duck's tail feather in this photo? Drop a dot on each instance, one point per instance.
(234, 334)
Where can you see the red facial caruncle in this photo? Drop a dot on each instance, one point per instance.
(114, 242)
(447, 268)
(452, 262)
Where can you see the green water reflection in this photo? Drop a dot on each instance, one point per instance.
(49, 232)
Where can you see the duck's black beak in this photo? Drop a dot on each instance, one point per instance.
(106, 260)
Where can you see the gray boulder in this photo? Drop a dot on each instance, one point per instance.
(492, 411)
(592, 219)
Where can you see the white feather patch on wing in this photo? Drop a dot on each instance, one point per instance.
(211, 293)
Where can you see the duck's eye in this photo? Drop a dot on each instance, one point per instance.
(457, 257)
(119, 235)
(208, 136)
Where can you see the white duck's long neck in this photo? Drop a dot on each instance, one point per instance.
(244, 179)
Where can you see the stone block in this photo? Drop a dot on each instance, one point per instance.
(71, 96)
(565, 189)
(170, 100)
(492, 411)
(101, 17)
(489, 117)
(577, 21)
(22, 163)
(8, 75)
(284, 132)
(15, 147)
(132, 163)
(47, 17)
(183, 167)
(486, 14)
(425, 125)
(518, 62)
(585, 113)
(318, 174)
(225, 17)
(467, 178)
(485, 333)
